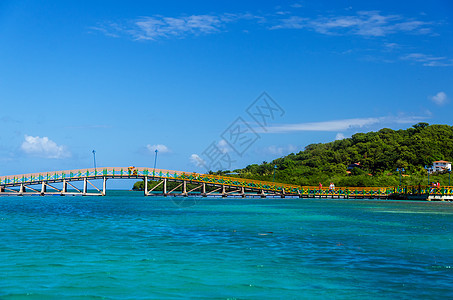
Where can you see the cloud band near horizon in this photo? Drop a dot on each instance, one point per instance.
(341, 125)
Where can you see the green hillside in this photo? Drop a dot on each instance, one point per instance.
(379, 154)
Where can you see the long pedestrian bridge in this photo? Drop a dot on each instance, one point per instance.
(194, 184)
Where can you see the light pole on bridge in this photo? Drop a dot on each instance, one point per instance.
(155, 161)
(94, 158)
(400, 170)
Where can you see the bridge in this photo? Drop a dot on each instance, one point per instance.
(196, 184)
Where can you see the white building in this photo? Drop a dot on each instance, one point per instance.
(440, 165)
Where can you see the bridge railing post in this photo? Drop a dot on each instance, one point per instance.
(184, 188)
(85, 181)
(21, 189)
(165, 187)
(65, 187)
(104, 185)
(43, 188)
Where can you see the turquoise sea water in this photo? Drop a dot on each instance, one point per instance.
(126, 246)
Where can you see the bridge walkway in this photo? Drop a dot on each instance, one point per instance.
(196, 184)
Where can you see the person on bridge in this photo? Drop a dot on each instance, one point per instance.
(320, 186)
(331, 187)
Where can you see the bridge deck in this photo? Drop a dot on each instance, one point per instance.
(28, 184)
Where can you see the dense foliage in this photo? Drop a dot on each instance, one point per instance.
(379, 154)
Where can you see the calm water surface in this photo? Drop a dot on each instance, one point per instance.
(125, 246)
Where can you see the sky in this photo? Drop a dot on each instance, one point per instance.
(212, 84)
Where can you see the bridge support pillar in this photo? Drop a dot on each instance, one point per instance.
(203, 190)
(223, 191)
(21, 189)
(164, 190)
(242, 192)
(184, 188)
(84, 192)
(104, 186)
(283, 193)
(146, 186)
(65, 187)
(43, 188)
(262, 194)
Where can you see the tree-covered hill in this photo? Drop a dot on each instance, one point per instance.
(379, 154)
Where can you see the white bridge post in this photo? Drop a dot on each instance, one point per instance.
(104, 186)
(184, 188)
(43, 188)
(21, 189)
(84, 186)
(146, 186)
(65, 187)
(165, 187)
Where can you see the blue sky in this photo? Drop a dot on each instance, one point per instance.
(126, 78)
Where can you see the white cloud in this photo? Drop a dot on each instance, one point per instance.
(429, 60)
(150, 28)
(391, 46)
(402, 119)
(342, 125)
(368, 24)
(440, 98)
(162, 27)
(280, 150)
(363, 23)
(106, 30)
(293, 22)
(196, 160)
(296, 5)
(43, 147)
(339, 136)
(159, 147)
(336, 125)
(223, 146)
